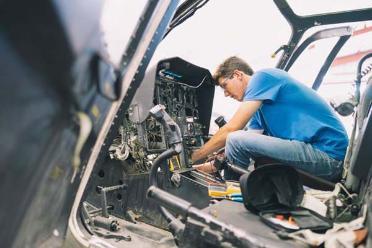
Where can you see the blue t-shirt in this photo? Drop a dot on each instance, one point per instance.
(291, 110)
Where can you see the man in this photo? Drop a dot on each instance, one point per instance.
(299, 127)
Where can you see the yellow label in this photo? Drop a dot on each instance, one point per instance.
(95, 111)
(218, 191)
(174, 163)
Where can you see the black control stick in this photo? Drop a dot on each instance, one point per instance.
(174, 139)
(220, 121)
(172, 130)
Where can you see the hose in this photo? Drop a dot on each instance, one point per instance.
(361, 74)
(153, 181)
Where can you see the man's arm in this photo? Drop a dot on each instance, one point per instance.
(239, 120)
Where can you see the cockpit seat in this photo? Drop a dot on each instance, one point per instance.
(307, 179)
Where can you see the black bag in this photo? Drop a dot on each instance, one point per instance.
(274, 191)
(271, 187)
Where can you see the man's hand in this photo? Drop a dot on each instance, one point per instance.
(238, 121)
(206, 167)
(195, 156)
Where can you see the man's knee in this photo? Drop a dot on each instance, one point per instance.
(241, 138)
(243, 141)
(238, 147)
(236, 142)
(234, 138)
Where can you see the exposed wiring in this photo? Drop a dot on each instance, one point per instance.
(361, 74)
(187, 85)
(194, 87)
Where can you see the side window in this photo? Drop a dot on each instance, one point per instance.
(338, 82)
(308, 64)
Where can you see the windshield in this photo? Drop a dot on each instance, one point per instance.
(221, 29)
(305, 7)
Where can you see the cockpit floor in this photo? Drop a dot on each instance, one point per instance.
(234, 213)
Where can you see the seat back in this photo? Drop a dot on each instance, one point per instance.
(361, 158)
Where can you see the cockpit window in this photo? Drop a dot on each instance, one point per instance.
(221, 29)
(308, 64)
(344, 67)
(305, 7)
(338, 83)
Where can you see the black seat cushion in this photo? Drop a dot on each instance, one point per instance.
(306, 178)
(271, 187)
